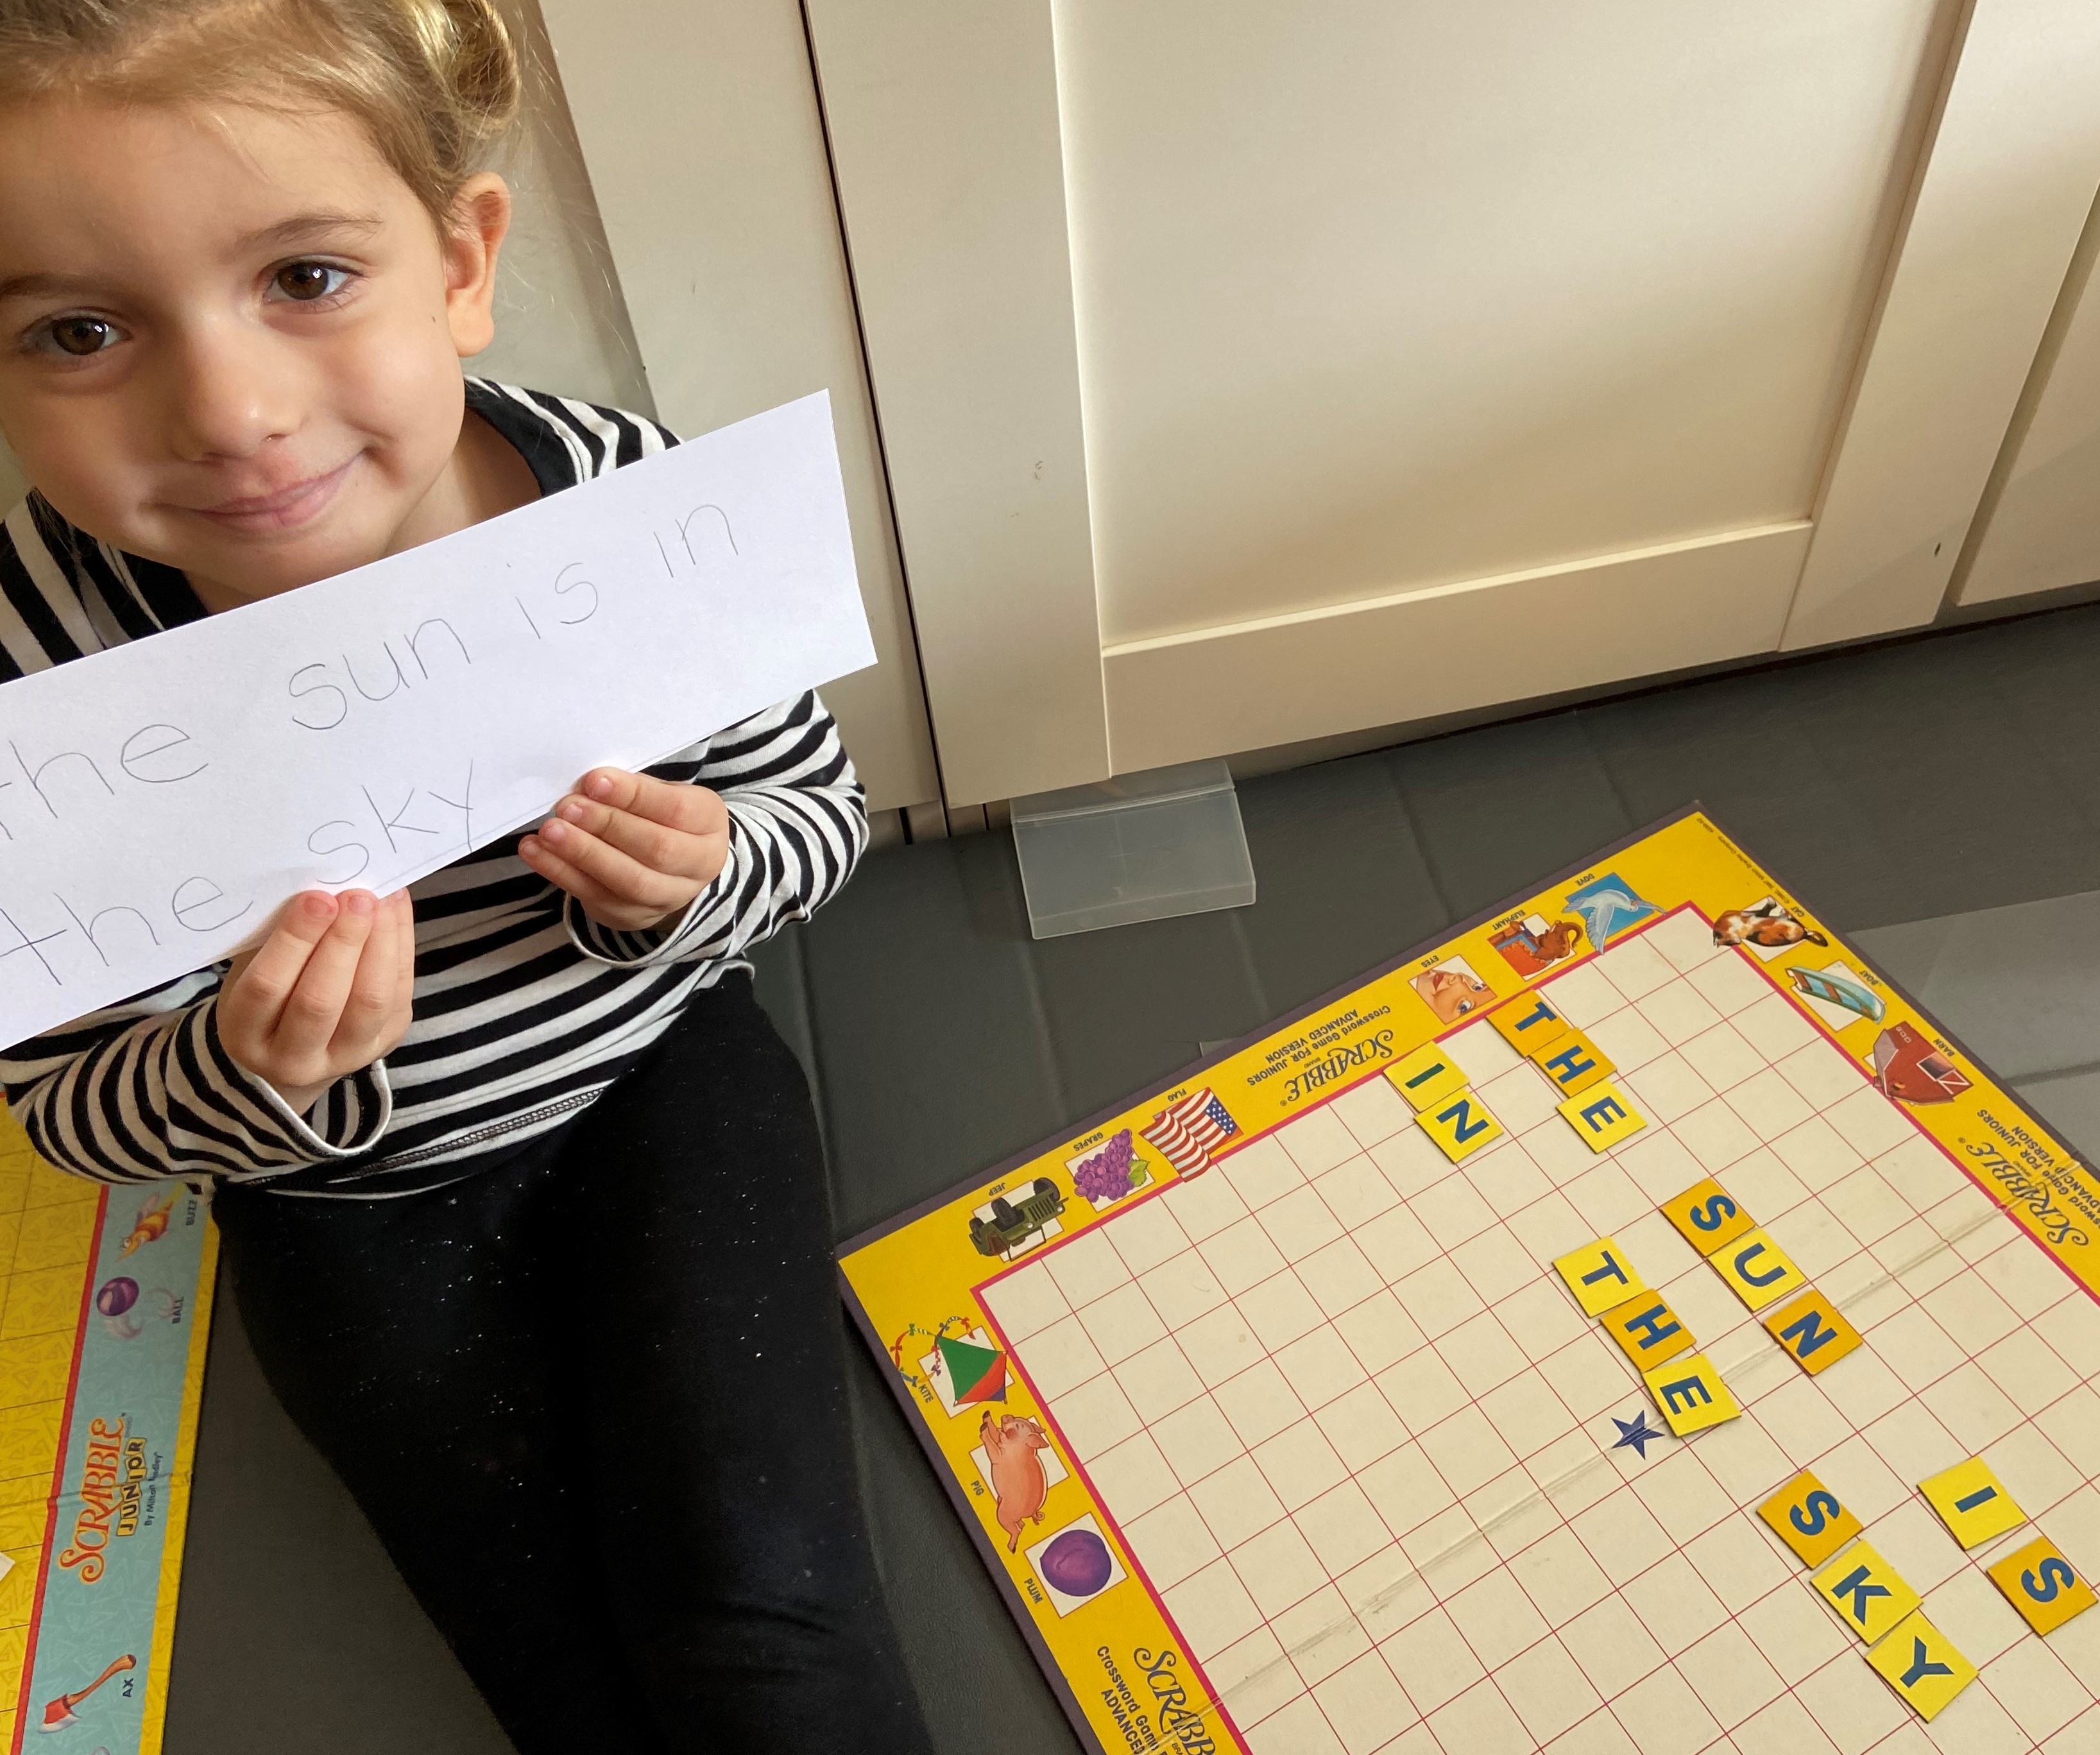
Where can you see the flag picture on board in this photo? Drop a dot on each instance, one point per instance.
(1188, 1132)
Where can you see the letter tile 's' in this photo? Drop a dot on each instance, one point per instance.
(2043, 1584)
(1706, 1216)
(1806, 1516)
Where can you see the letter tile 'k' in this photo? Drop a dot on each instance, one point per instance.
(1855, 1584)
(1868, 1591)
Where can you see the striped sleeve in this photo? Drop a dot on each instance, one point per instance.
(146, 1091)
(797, 825)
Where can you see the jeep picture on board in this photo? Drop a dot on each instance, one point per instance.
(1011, 1224)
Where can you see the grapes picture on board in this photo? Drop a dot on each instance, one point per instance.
(1107, 1171)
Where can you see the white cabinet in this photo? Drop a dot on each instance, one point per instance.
(1245, 374)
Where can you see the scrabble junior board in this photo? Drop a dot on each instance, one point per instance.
(105, 1296)
(1629, 1323)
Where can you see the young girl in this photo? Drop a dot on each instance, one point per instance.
(522, 1197)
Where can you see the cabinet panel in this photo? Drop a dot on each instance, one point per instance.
(1421, 653)
(700, 121)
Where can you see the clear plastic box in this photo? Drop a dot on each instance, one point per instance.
(1141, 847)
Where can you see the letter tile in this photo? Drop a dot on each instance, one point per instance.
(1600, 1276)
(1461, 1125)
(1601, 1117)
(1972, 1502)
(1691, 1394)
(1757, 1270)
(1814, 1334)
(1647, 1330)
(1426, 1077)
(1805, 1515)
(1572, 1061)
(2042, 1585)
(1869, 1595)
(1920, 1664)
(1706, 1216)
(1528, 1022)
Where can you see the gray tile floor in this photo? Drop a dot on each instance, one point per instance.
(1937, 801)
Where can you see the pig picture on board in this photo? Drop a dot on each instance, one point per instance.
(1014, 1446)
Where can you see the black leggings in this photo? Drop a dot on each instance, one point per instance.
(592, 1401)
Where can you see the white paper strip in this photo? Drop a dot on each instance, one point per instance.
(158, 801)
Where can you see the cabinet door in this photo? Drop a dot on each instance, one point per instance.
(698, 122)
(1251, 374)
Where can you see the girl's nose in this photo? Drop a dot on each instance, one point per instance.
(229, 392)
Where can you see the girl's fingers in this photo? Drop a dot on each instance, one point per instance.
(369, 1003)
(273, 972)
(620, 874)
(598, 902)
(672, 803)
(308, 1021)
(648, 842)
(404, 976)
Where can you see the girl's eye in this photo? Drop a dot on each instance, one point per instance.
(307, 282)
(81, 336)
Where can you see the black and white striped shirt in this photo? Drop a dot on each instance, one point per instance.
(525, 1008)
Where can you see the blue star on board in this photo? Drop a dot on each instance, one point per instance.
(1636, 1432)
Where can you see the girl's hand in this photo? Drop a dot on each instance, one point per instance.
(331, 990)
(632, 849)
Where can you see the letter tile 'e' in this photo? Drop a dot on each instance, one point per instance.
(1757, 1270)
(1460, 1124)
(1602, 1117)
(1810, 1329)
(1865, 1590)
(1691, 1394)
(1528, 1022)
(1647, 1330)
(1600, 1276)
(2042, 1585)
(1573, 1062)
(1805, 1515)
(1429, 1075)
(1972, 1502)
(1706, 1216)
(1920, 1664)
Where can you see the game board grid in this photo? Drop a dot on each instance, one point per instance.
(1750, 1080)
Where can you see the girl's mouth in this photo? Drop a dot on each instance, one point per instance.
(287, 509)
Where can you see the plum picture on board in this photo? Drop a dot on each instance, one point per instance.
(1075, 1564)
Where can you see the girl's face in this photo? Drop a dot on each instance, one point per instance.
(229, 340)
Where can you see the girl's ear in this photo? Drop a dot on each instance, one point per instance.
(481, 217)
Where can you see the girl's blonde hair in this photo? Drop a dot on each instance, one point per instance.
(435, 82)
